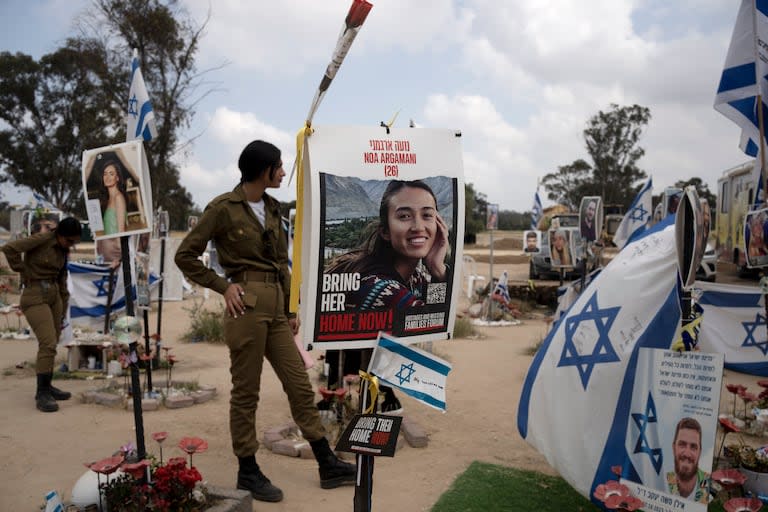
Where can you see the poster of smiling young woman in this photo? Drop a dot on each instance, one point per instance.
(384, 209)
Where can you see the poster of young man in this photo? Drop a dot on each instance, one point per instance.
(117, 189)
(755, 234)
(671, 429)
(591, 218)
(386, 210)
(531, 241)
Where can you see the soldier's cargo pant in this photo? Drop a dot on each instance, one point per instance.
(41, 304)
(264, 331)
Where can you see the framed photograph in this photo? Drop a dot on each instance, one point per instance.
(672, 197)
(591, 218)
(561, 247)
(117, 190)
(492, 217)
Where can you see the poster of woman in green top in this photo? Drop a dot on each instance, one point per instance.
(115, 191)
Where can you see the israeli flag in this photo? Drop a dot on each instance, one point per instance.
(536, 211)
(141, 117)
(581, 379)
(744, 73)
(734, 325)
(416, 372)
(502, 288)
(42, 202)
(638, 217)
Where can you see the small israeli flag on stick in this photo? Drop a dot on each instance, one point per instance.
(141, 117)
(416, 372)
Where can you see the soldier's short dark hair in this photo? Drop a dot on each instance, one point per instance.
(256, 158)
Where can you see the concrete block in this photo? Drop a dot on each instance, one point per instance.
(88, 397)
(305, 451)
(201, 396)
(414, 433)
(287, 447)
(108, 399)
(179, 402)
(271, 436)
(232, 500)
(149, 404)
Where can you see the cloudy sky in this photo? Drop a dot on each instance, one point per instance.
(518, 78)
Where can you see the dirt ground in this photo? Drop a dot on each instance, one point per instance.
(43, 452)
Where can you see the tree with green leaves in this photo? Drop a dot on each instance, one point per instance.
(475, 205)
(612, 143)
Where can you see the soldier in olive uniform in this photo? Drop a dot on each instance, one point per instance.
(245, 226)
(41, 260)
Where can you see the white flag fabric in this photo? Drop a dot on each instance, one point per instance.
(744, 73)
(536, 211)
(734, 325)
(141, 117)
(575, 402)
(638, 217)
(416, 372)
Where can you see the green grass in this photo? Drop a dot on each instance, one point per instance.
(487, 487)
(490, 488)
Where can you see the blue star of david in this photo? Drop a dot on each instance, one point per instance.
(132, 104)
(404, 375)
(642, 445)
(603, 351)
(638, 213)
(750, 340)
(100, 286)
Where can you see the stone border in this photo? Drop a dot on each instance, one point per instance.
(108, 398)
(232, 500)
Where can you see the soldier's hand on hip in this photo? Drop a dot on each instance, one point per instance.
(233, 297)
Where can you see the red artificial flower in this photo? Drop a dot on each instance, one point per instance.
(627, 503)
(743, 505)
(763, 383)
(171, 359)
(176, 462)
(156, 337)
(358, 11)
(328, 394)
(193, 445)
(616, 470)
(728, 425)
(747, 396)
(106, 466)
(610, 488)
(146, 357)
(167, 348)
(137, 469)
(733, 388)
(729, 477)
(160, 436)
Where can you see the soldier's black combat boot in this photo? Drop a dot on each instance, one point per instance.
(43, 397)
(250, 478)
(57, 393)
(333, 472)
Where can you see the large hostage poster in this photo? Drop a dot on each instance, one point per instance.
(385, 211)
(671, 433)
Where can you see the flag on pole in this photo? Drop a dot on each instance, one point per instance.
(141, 117)
(416, 372)
(582, 377)
(638, 217)
(536, 211)
(744, 73)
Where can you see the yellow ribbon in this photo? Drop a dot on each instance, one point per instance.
(691, 329)
(304, 132)
(373, 390)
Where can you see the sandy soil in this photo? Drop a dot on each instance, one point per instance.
(42, 452)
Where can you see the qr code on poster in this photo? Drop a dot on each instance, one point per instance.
(436, 293)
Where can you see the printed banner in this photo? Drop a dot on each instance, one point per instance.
(118, 194)
(670, 441)
(380, 232)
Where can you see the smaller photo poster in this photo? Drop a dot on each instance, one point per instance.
(117, 190)
(561, 247)
(532, 241)
(755, 233)
(591, 218)
(671, 429)
(492, 220)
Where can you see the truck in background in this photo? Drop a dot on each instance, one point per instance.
(735, 197)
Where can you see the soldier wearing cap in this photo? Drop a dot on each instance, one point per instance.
(252, 249)
(41, 259)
